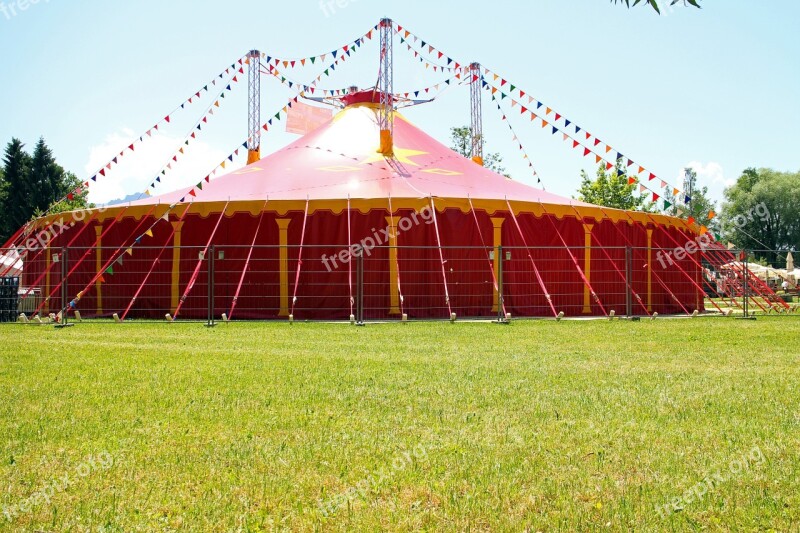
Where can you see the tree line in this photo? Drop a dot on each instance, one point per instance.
(761, 211)
(30, 185)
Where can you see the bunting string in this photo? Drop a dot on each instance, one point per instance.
(192, 134)
(108, 166)
(579, 137)
(311, 60)
(407, 37)
(516, 139)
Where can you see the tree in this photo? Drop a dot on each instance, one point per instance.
(32, 186)
(17, 201)
(760, 212)
(699, 207)
(461, 139)
(2, 206)
(611, 189)
(654, 3)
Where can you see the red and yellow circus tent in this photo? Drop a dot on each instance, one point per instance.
(273, 223)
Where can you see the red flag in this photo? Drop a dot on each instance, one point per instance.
(596, 142)
(586, 152)
(130, 147)
(652, 177)
(655, 197)
(166, 118)
(631, 180)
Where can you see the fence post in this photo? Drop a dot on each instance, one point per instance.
(211, 287)
(628, 281)
(360, 288)
(745, 303)
(500, 303)
(64, 287)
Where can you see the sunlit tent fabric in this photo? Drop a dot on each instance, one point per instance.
(330, 189)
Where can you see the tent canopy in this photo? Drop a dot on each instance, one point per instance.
(340, 160)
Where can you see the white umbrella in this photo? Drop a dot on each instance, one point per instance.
(11, 262)
(789, 262)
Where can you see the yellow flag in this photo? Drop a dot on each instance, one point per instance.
(149, 233)
(129, 251)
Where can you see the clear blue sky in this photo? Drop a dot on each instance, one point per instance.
(716, 87)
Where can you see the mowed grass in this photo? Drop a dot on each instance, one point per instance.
(539, 426)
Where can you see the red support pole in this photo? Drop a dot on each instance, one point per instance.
(614, 264)
(300, 257)
(488, 259)
(153, 267)
(574, 261)
(192, 280)
(441, 258)
(247, 262)
(533, 263)
(658, 278)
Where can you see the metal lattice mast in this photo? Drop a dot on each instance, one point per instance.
(476, 115)
(254, 106)
(386, 89)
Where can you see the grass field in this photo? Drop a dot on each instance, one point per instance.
(538, 426)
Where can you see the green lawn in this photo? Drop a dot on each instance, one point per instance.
(538, 426)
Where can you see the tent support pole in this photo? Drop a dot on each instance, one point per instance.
(200, 260)
(658, 278)
(247, 261)
(586, 281)
(441, 259)
(539, 279)
(300, 258)
(155, 263)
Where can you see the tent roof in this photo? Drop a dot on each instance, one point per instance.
(339, 160)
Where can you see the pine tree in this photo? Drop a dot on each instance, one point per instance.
(2, 207)
(45, 179)
(17, 201)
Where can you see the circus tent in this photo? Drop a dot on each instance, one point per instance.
(282, 222)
